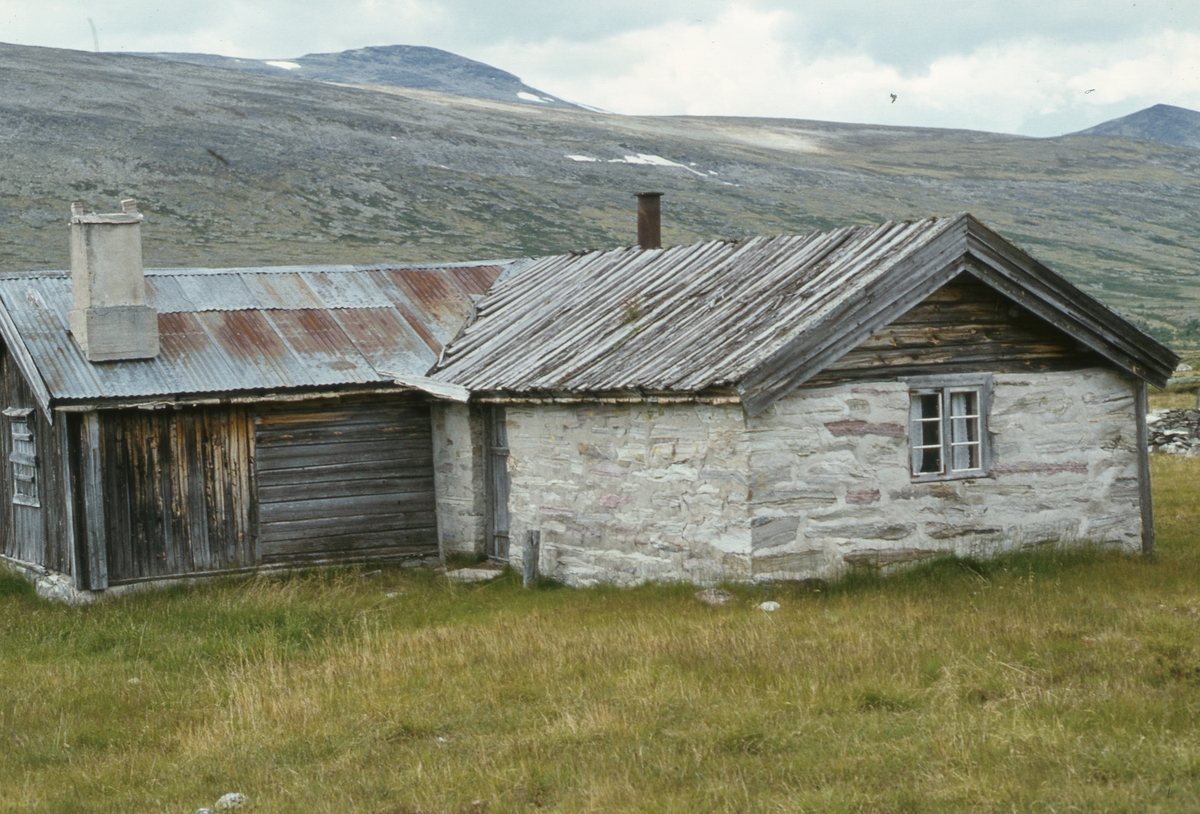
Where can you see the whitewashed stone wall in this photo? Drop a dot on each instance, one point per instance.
(816, 484)
(830, 485)
(458, 478)
(631, 493)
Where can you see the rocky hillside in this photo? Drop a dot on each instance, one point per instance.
(236, 168)
(401, 66)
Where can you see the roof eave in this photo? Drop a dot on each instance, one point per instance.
(906, 283)
(24, 361)
(966, 245)
(1009, 270)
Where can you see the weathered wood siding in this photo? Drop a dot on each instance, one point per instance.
(348, 481)
(965, 326)
(31, 534)
(178, 491)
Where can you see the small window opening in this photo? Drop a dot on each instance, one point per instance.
(23, 456)
(948, 427)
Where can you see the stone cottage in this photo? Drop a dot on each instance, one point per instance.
(790, 407)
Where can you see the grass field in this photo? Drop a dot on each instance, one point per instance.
(1043, 682)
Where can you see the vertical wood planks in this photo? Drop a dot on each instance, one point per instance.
(66, 466)
(496, 481)
(178, 491)
(92, 471)
(1143, 453)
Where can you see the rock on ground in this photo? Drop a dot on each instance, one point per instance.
(714, 596)
(473, 574)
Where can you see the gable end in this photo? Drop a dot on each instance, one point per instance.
(1023, 279)
(965, 246)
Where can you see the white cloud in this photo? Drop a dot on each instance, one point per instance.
(737, 64)
(1008, 65)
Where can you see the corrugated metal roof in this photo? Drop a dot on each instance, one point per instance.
(225, 330)
(684, 319)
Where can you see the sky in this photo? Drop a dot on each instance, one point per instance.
(1031, 67)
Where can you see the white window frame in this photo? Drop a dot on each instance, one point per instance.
(23, 457)
(944, 387)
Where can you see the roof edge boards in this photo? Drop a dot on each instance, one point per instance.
(1009, 270)
(228, 397)
(24, 359)
(806, 356)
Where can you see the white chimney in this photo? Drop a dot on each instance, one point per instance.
(111, 319)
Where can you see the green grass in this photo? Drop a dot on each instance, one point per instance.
(1041, 682)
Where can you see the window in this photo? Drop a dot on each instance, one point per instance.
(948, 426)
(23, 456)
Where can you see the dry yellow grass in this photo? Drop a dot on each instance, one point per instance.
(1043, 682)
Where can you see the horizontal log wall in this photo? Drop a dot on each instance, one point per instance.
(347, 481)
(963, 327)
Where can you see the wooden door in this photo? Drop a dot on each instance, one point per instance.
(345, 481)
(497, 483)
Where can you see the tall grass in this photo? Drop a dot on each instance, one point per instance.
(1040, 682)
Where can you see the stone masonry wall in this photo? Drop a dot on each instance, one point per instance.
(830, 486)
(631, 493)
(458, 478)
(816, 484)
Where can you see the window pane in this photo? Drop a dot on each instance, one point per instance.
(931, 461)
(931, 433)
(931, 405)
(964, 404)
(964, 430)
(964, 457)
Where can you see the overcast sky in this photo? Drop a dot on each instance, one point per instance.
(1035, 67)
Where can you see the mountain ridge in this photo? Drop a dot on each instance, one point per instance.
(251, 169)
(408, 66)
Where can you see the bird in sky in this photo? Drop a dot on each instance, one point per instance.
(893, 98)
(1090, 90)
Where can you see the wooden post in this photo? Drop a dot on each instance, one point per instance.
(1143, 452)
(529, 562)
(78, 572)
(92, 481)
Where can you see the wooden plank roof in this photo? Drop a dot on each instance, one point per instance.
(762, 314)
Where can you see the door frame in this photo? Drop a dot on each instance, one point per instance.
(496, 482)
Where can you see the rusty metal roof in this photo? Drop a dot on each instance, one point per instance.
(761, 314)
(224, 330)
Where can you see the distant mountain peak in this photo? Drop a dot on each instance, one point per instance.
(403, 66)
(1167, 124)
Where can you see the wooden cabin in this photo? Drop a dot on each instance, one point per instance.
(182, 422)
(791, 407)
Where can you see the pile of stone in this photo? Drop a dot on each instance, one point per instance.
(1174, 431)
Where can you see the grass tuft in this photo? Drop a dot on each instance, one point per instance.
(15, 586)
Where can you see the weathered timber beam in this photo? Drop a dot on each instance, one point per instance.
(92, 481)
(1145, 492)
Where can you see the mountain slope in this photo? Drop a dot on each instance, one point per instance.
(1163, 123)
(245, 169)
(404, 66)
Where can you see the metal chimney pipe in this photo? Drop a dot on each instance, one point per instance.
(649, 220)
